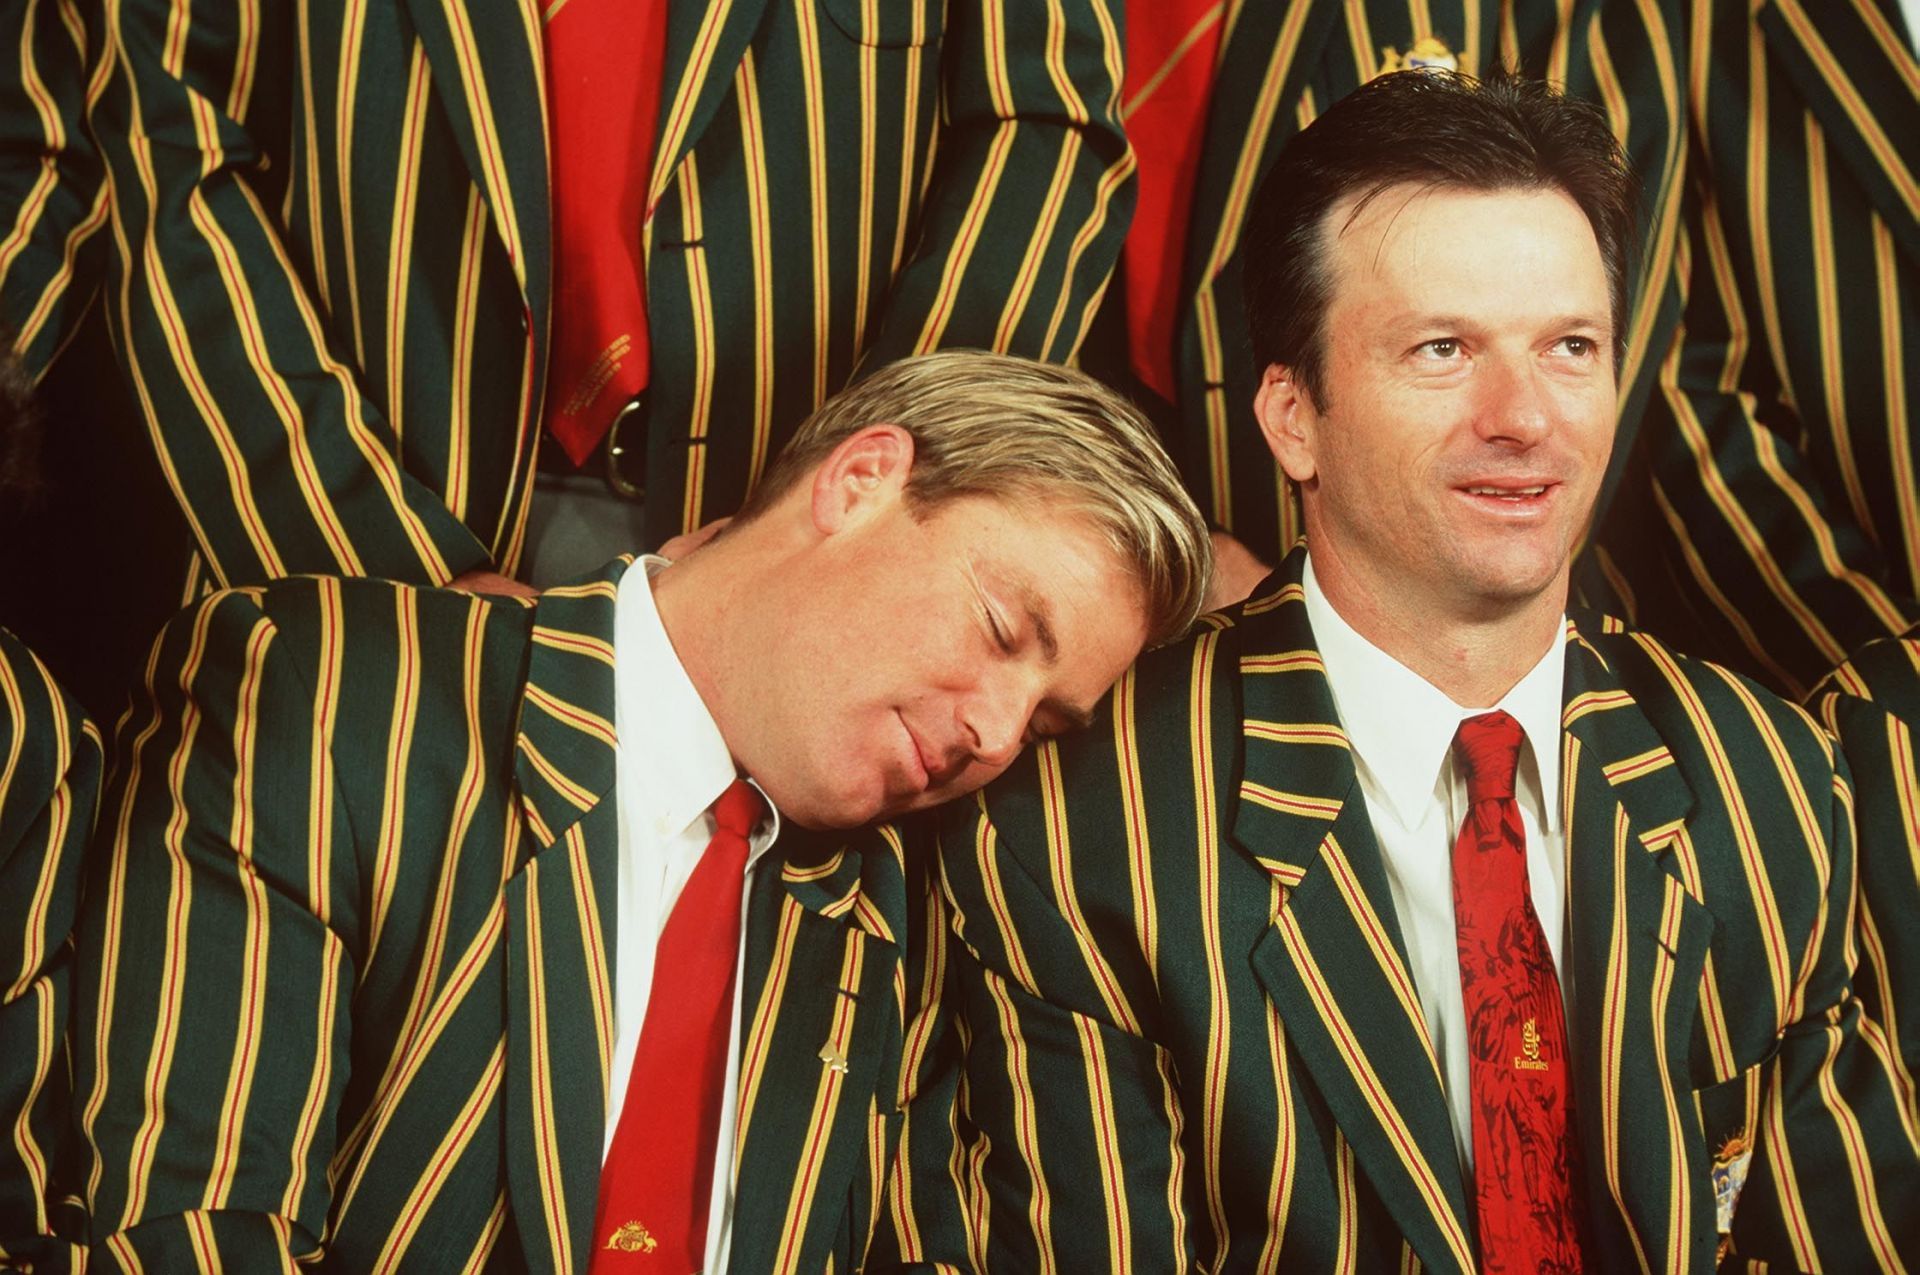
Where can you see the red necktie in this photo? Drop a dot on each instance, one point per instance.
(605, 59)
(1171, 51)
(658, 1176)
(1524, 1159)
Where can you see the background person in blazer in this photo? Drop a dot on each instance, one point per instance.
(1216, 88)
(1231, 1003)
(1769, 517)
(333, 247)
(353, 978)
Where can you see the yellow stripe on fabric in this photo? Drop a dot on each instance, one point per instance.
(481, 1101)
(757, 1044)
(828, 1093)
(1893, 390)
(1025, 1121)
(593, 958)
(1746, 836)
(700, 322)
(1106, 1143)
(346, 88)
(399, 754)
(1206, 852)
(869, 123)
(1285, 1150)
(753, 168)
(62, 277)
(1053, 805)
(252, 956)
(581, 719)
(1380, 944)
(171, 959)
(546, 1140)
(1866, 1192)
(466, 305)
(1679, 1184)
(1046, 222)
(814, 107)
(1857, 109)
(1146, 916)
(1613, 1019)
(406, 193)
(1826, 291)
(1703, 578)
(686, 93)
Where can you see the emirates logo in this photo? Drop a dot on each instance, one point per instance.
(1529, 1059)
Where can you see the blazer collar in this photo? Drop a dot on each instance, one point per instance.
(1860, 77)
(565, 752)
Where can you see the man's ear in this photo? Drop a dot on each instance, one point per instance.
(865, 473)
(1289, 421)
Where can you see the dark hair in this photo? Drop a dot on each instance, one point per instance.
(1428, 128)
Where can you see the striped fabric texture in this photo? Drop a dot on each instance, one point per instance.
(1280, 66)
(53, 199)
(344, 974)
(1193, 1041)
(1772, 516)
(49, 781)
(1872, 705)
(330, 224)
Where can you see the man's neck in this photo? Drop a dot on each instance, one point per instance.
(1474, 655)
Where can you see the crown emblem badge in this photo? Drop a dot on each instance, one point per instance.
(632, 1238)
(1425, 54)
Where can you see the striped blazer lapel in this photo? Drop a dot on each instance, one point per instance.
(1636, 949)
(561, 912)
(488, 65)
(1333, 960)
(705, 43)
(1858, 74)
(819, 1052)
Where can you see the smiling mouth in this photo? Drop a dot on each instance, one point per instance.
(1510, 493)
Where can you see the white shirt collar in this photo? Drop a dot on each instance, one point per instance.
(680, 761)
(1402, 725)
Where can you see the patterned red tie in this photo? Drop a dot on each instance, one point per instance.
(658, 1177)
(1524, 1158)
(605, 61)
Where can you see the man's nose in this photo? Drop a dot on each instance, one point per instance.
(996, 723)
(1514, 407)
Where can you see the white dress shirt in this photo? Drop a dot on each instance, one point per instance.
(1401, 728)
(1910, 10)
(671, 766)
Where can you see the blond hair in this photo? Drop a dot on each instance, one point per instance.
(1018, 430)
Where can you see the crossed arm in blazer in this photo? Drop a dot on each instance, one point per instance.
(267, 417)
(1768, 520)
(53, 197)
(1871, 705)
(50, 762)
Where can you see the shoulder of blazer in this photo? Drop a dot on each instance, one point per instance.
(1886, 670)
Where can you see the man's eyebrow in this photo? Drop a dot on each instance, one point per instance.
(1040, 615)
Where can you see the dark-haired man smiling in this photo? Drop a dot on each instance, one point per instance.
(1398, 921)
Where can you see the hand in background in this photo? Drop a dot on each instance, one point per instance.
(1236, 572)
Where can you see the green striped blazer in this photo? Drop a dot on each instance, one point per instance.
(1280, 66)
(49, 780)
(1772, 520)
(332, 283)
(1195, 1042)
(344, 975)
(1871, 704)
(53, 196)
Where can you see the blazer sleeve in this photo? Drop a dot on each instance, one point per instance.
(1870, 705)
(1739, 510)
(53, 199)
(1031, 189)
(1066, 1127)
(50, 760)
(1835, 1170)
(281, 461)
(215, 965)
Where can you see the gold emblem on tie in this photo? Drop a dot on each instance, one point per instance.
(632, 1238)
(1426, 54)
(1529, 1059)
(835, 1060)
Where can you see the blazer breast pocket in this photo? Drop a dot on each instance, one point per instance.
(888, 24)
(1729, 1119)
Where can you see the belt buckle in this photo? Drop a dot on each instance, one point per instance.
(617, 450)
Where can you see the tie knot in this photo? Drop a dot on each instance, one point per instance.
(1489, 748)
(739, 808)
